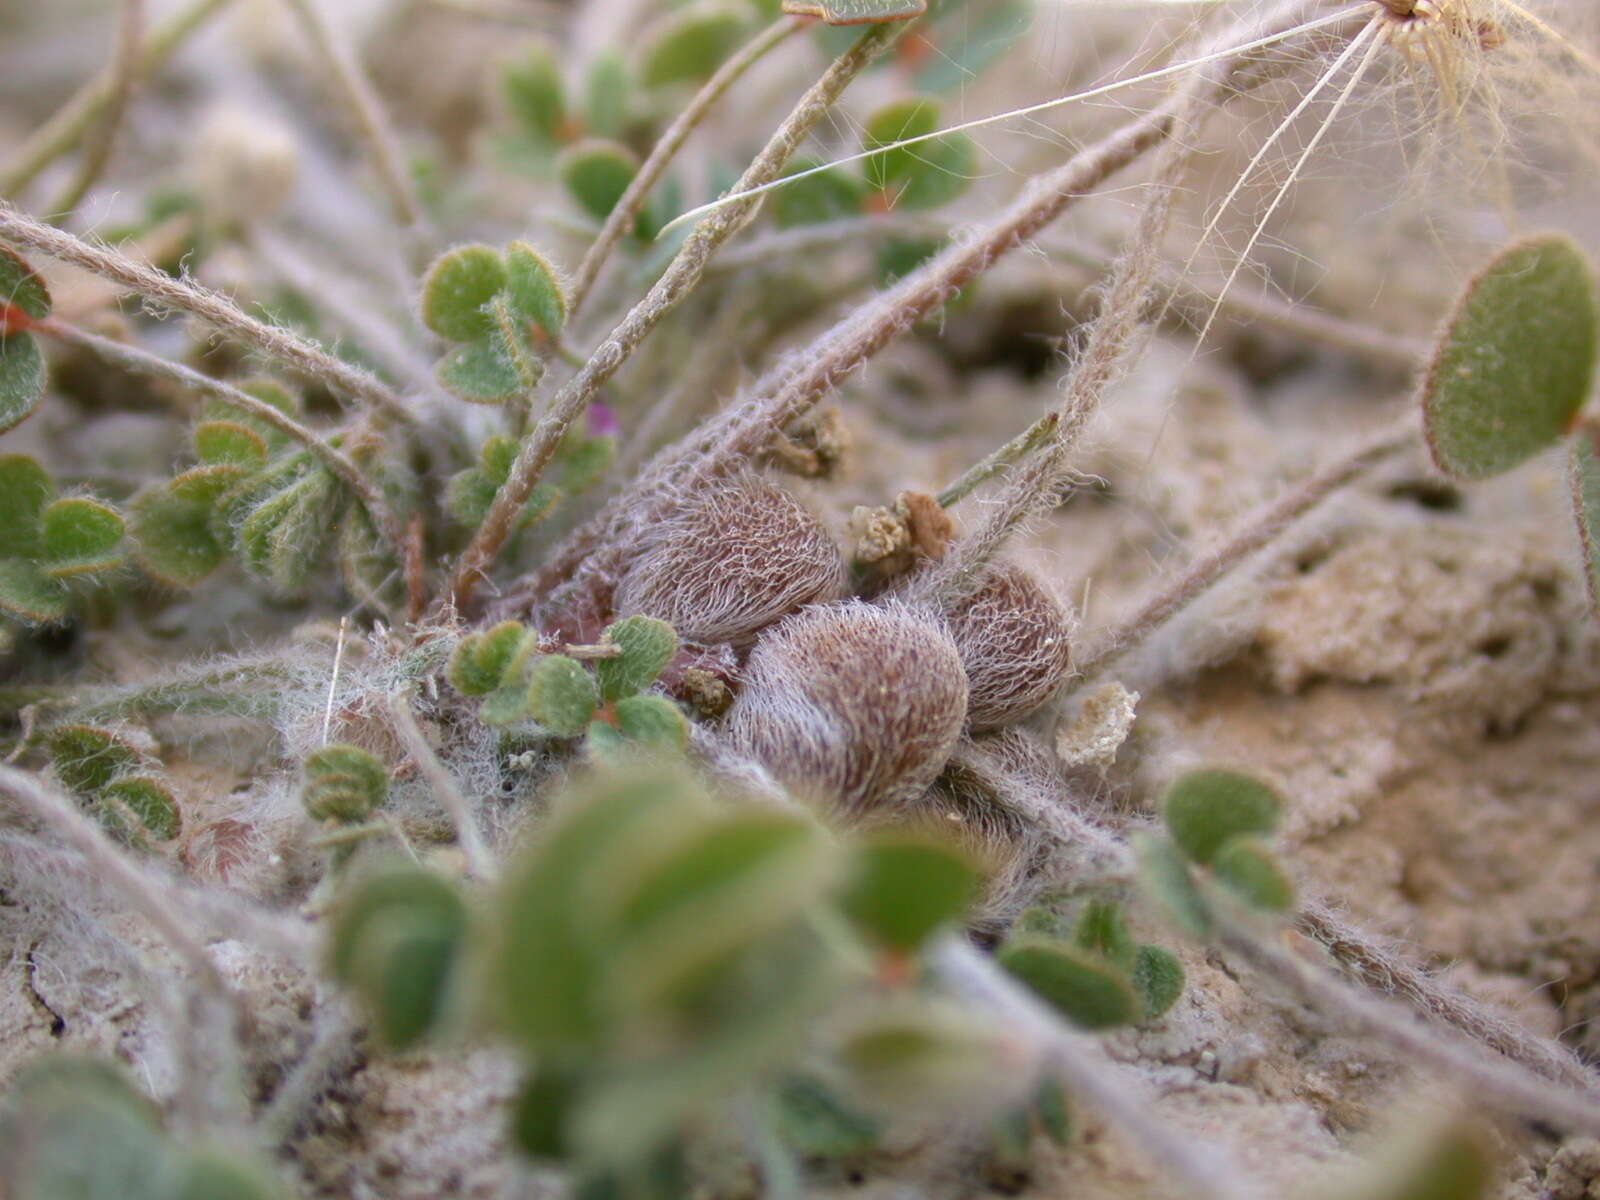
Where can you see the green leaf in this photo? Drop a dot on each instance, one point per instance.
(1087, 990)
(735, 880)
(923, 176)
(284, 534)
(223, 1174)
(1164, 876)
(542, 1112)
(505, 706)
(150, 800)
(22, 378)
(1516, 360)
(609, 90)
(480, 372)
(172, 523)
(830, 195)
(1101, 929)
(229, 442)
(562, 695)
(1584, 473)
(456, 289)
(392, 888)
(268, 391)
(596, 174)
(690, 45)
(343, 783)
(857, 12)
(535, 94)
(544, 971)
(915, 1052)
(648, 645)
(534, 288)
(1203, 809)
(396, 936)
(22, 287)
(1050, 1107)
(1158, 978)
(403, 967)
(904, 888)
(480, 661)
(79, 536)
(87, 758)
(1453, 1162)
(819, 1124)
(25, 489)
(28, 594)
(1251, 871)
(652, 721)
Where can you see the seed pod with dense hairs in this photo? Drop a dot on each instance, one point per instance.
(730, 561)
(1014, 639)
(855, 706)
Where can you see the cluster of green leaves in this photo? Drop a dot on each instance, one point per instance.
(505, 309)
(1218, 822)
(1093, 970)
(1512, 371)
(343, 784)
(580, 461)
(115, 782)
(75, 1129)
(656, 954)
(531, 692)
(50, 545)
(24, 299)
(258, 496)
(589, 135)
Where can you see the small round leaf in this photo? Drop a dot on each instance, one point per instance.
(457, 287)
(1203, 809)
(150, 800)
(648, 645)
(562, 695)
(22, 378)
(904, 888)
(1516, 359)
(596, 174)
(25, 489)
(1087, 990)
(1251, 871)
(1158, 977)
(87, 758)
(22, 287)
(78, 536)
(28, 594)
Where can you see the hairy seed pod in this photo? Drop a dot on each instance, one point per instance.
(730, 562)
(854, 705)
(1014, 640)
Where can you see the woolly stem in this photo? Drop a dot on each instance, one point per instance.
(626, 211)
(1385, 970)
(680, 278)
(1499, 1083)
(63, 818)
(480, 862)
(141, 362)
(212, 307)
(63, 130)
(1202, 1166)
(1258, 532)
(121, 73)
(1014, 451)
(371, 122)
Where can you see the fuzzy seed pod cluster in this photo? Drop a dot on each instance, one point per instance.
(854, 705)
(1015, 644)
(729, 562)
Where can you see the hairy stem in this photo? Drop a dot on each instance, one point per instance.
(480, 862)
(121, 74)
(671, 141)
(1258, 532)
(144, 895)
(212, 307)
(680, 278)
(131, 358)
(1498, 1082)
(67, 127)
(333, 1048)
(366, 111)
